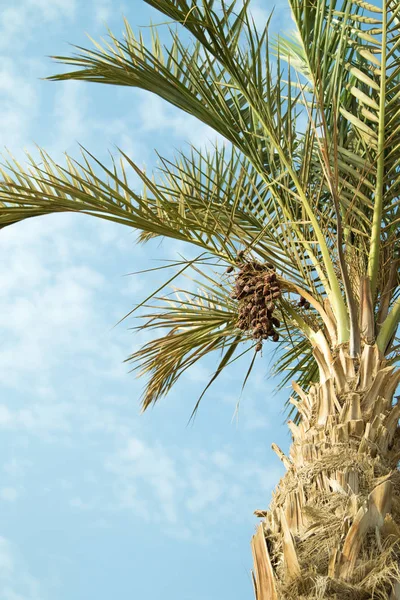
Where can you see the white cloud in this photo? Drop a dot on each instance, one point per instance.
(19, 102)
(27, 15)
(16, 582)
(17, 467)
(39, 418)
(206, 488)
(50, 11)
(246, 409)
(5, 416)
(77, 502)
(155, 482)
(103, 10)
(260, 15)
(222, 459)
(73, 123)
(15, 86)
(199, 374)
(6, 558)
(9, 494)
(13, 20)
(130, 499)
(156, 115)
(59, 421)
(43, 307)
(151, 466)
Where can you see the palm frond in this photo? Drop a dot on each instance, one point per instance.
(310, 181)
(193, 324)
(234, 91)
(349, 54)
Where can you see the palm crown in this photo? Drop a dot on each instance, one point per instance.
(309, 184)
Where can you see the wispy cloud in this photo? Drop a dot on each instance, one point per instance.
(154, 482)
(27, 15)
(50, 11)
(69, 411)
(42, 308)
(16, 583)
(19, 102)
(17, 467)
(156, 115)
(138, 463)
(104, 10)
(9, 494)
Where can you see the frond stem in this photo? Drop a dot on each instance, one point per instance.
(330, 326)
(389, 327)
(373, 259)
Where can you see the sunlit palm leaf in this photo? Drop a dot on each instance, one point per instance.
(310, 181)
(193, 325)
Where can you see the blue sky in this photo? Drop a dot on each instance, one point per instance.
(98, 501)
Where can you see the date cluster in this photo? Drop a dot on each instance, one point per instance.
(257, 289)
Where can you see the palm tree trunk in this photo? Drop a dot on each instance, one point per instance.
(333, 526)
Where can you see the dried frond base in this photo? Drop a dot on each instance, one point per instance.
(333, 526)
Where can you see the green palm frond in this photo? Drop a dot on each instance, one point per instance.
(308, 177)
(193, 324)
(45, 187)
(196, 323)
(234, 91)
(214, 200)
(348, 52)
(230, 194)
(350, 55)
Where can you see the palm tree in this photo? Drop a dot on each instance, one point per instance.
(301, 211)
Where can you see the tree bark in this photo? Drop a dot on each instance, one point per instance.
(333, 526)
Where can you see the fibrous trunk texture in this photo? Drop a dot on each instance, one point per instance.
(333, 526)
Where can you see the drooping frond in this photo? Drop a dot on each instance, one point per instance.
(45, 187)
(195, 322)
(242, 92)
(212, 199)
(310, 181)
(349, 54)
(192, 324)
